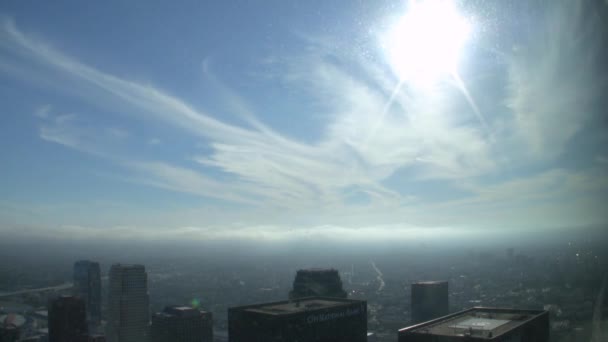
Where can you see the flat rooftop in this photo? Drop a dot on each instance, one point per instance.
(181, 308)
(180, 311)
(484, 323)
(128, 266)
(298, 306)
(430, 282)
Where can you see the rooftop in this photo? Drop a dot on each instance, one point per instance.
(485, 323)
(318, 270)
(432, 282)
(298, 306)
(128, 266)
(180, 311)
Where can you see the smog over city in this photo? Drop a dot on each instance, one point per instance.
(241, 158)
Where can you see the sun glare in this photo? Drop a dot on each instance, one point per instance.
(426, 42)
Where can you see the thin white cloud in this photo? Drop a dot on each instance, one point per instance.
(553, 184)
(67, 130)
(553, 77)
(266, 158)
(420, 129)
(151, 101)
(185, 180)
(117, 133)
(42, 112)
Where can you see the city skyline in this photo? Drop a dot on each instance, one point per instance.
(565, 284)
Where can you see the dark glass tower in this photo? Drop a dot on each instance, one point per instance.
(312, 319)
(67, 319)
(87, 285)
(429, 300)
(181, 324)
(317, 282)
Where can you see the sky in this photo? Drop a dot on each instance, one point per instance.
(274, 120)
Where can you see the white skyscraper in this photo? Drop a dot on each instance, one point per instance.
(128, 304)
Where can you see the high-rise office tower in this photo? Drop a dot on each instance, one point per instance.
(181, 324)
(317, 282)
(128, 304)
(67, 319)
(87, 285)
(482, 324)
(429, 300)
(313, 319)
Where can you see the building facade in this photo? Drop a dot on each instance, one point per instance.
(318, 319)
(429, 300)
(87, 285)
(67, 319)
(482, 324)
(128, 304)
(181, 324)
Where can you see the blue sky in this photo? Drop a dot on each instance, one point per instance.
(289, 119)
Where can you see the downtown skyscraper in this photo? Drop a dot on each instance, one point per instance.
(181, 324)
(87, 285)
(128, 304)
(310, 319)
(67, 319)
(429, 300)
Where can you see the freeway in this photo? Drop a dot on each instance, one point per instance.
(63, 286)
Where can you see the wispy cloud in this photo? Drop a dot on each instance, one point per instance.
(186, 180)
(431, 135)
(42, 112)
(554, 77)
(68, 130)
(282, 168)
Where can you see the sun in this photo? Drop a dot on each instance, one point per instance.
(425, 44)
